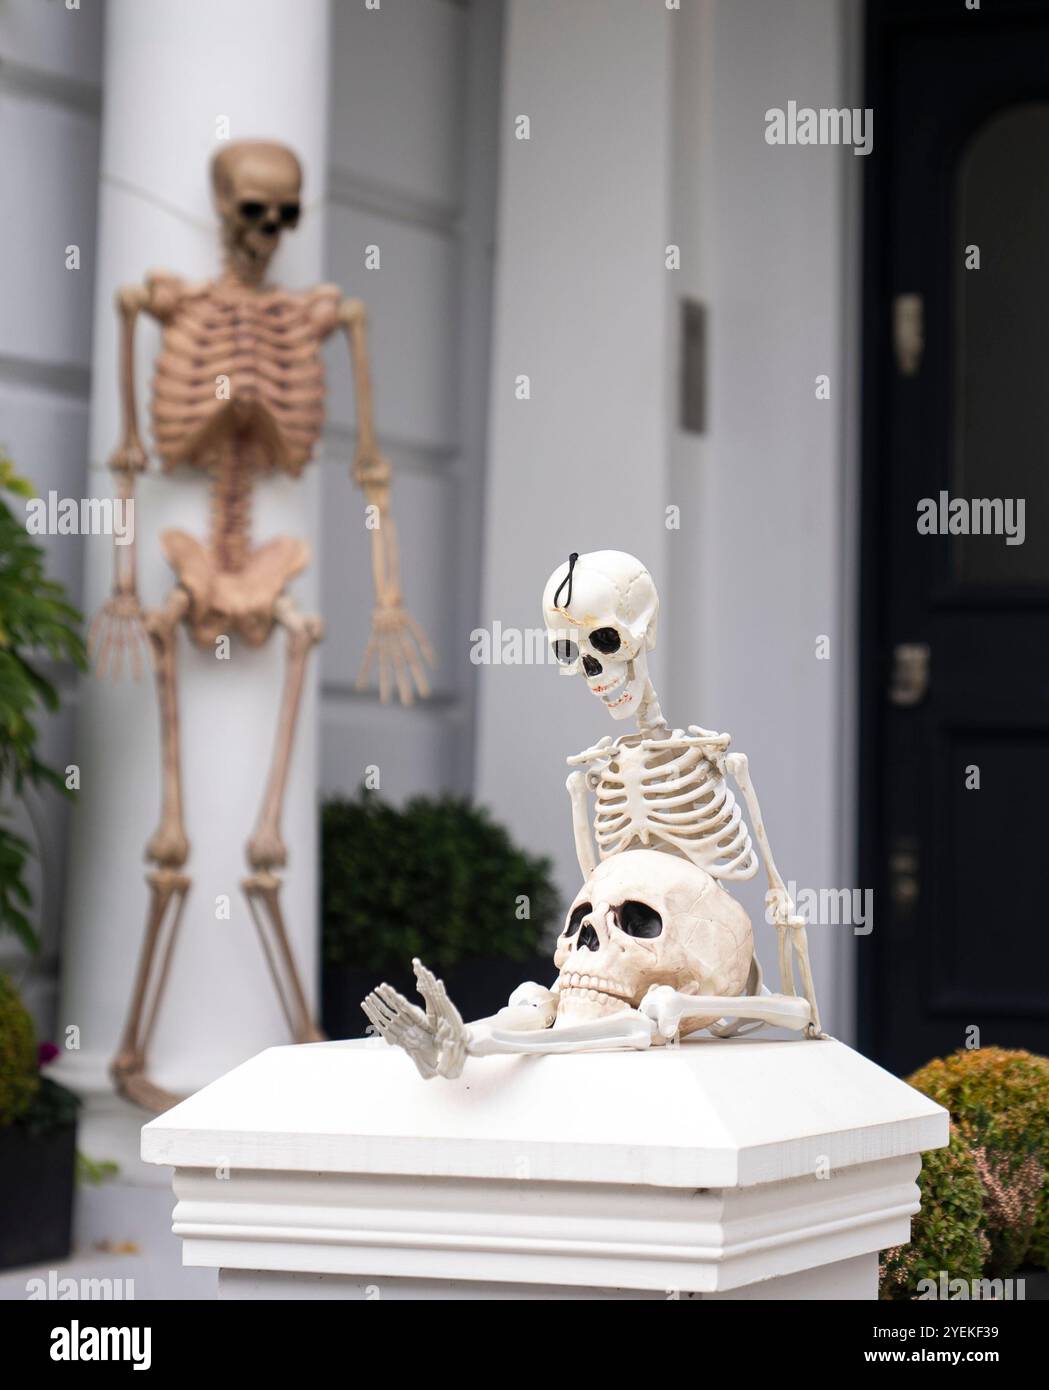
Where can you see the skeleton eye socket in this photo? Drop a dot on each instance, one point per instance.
(578, 913)
(605, 639)
(251, 211)
(565, 651)
(638, 919)
(289, 214)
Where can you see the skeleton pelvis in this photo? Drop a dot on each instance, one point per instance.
(241, 601)
(646, 918)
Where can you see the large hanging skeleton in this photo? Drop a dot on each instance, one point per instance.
(239, 391)
(653, 946)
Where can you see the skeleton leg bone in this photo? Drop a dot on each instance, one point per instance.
(262, 891)
(784, 916)
(168, 890)
(266, 850)
(168, 848)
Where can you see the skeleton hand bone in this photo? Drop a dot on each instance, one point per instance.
(401, 647)
(118, 628)
(436, 1040)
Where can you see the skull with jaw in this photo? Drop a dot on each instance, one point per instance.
(600, 612)
(646, 918)
(257, 186)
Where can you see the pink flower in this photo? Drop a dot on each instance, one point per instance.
(45, 1052)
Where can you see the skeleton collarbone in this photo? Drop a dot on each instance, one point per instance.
(670, 794)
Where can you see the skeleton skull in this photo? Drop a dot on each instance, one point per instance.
(600, 611)
(646, 918)
(257, 186)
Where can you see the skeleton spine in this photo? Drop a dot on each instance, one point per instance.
(231, 484)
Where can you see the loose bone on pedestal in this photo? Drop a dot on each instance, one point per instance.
(653, 946)
(238, 392)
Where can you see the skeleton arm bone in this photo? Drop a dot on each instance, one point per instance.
(397, 640)
(668, 1008)
(530, 1006)
(628, 1028)
(778, 899)
(118, 626)
(438, 1041)
(577, 785)
(584, 844)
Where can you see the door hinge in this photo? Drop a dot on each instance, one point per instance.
(909, 683)
(908, 332)
(904, 884)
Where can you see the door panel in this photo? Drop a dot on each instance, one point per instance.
(956, 429)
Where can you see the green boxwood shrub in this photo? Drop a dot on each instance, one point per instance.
(438, 879)
(985, 1200)
(1000, 1098)
(947, 1233)
(19, 1077)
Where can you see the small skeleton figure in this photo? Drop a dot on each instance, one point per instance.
(653, 946)
(238, 391)
(660, 787)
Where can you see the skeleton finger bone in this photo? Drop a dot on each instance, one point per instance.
(425, 645)
(414, 663)
(400, 667)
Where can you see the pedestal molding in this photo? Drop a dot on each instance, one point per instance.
(702, 1169)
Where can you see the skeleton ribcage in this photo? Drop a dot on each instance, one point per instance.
(256, 349)
(657, 796)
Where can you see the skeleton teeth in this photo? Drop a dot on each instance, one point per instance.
(594, 986)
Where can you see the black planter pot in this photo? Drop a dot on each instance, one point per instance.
(37, 1172)
(477, 988)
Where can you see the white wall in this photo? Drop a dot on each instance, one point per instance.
(647, 129)
(415, 90)
(50, 62)
(579, 308)
(764, 565)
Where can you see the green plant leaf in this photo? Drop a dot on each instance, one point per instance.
(39, 632)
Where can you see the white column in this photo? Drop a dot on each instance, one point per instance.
(178, 79)
(580, 308)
